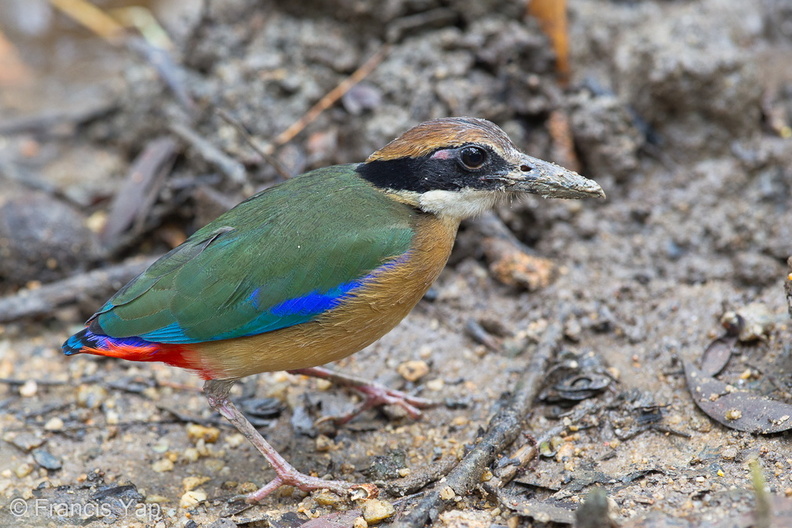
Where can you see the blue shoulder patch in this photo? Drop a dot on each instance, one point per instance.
(315, 302)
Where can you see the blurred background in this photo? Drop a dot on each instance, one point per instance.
(127, 125)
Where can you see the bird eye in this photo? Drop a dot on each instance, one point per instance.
(473, 157)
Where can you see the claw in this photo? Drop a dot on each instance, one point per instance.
(374, 396)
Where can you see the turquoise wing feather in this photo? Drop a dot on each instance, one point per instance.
(278, 259)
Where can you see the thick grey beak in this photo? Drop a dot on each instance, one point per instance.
(551, 181)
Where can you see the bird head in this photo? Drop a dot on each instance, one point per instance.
(459, 167)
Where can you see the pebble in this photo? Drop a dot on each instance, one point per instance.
(41, 238)
(460, 421)
(197, 432)
(327, 498)
(413, 370)
(192, 498)
(447, 493)
(234, 440)
(435, 385)
(324, 443)
(91, 396)
(162, 465)
(46, 459)
(376, 510)
(215, 465)
(28, 389)
(190, 483)
(733, 414)
(23, 470)
(24, 441)
(730, 453)
(53, 424)
(191, 455)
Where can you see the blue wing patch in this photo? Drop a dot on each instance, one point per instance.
(315, 302)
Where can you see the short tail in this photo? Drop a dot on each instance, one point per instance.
(134, 349)
(79, 341)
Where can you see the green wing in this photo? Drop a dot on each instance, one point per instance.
(280, 258)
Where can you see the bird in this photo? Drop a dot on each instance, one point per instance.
(316, 268)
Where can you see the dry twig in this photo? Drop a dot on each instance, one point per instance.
(503, 429)
(229, 166)
(139, 190)
(267, 156)
(331, 98)
(41, 301)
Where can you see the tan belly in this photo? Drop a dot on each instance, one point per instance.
(374, 311)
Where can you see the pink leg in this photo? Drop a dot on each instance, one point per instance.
(375, 395)
(216, 392)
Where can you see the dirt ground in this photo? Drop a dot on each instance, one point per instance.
(681, 110)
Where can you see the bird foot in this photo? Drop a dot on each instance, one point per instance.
(375, 395)
(305, 482)
(217, 395)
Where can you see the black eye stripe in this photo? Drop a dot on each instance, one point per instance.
(449, 168)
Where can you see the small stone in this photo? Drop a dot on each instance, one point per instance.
(413, 370)
(215, 465)
(91, 396)
(435, 385)
(565, 451)
(23, 470)
(191, 455)
(460, 421)
(53, 424)
(41, 239)
(197, 432)
(447, 493)
(327, 498)
(46, 459)
(376, 510)
(360, 522)
(192, 498)
(28, 389)
(324, 443)
(112, 417)
(235, 440)
(24, 441)
(733, 414)
(190, 483)
(219, 523)
(162, 465)
(247, 487)
(730, 453)
(202, 448)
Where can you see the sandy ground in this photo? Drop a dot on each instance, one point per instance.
(681, 111)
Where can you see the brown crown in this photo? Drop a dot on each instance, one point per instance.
(443, 133)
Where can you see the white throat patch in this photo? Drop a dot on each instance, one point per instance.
(459, 205)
